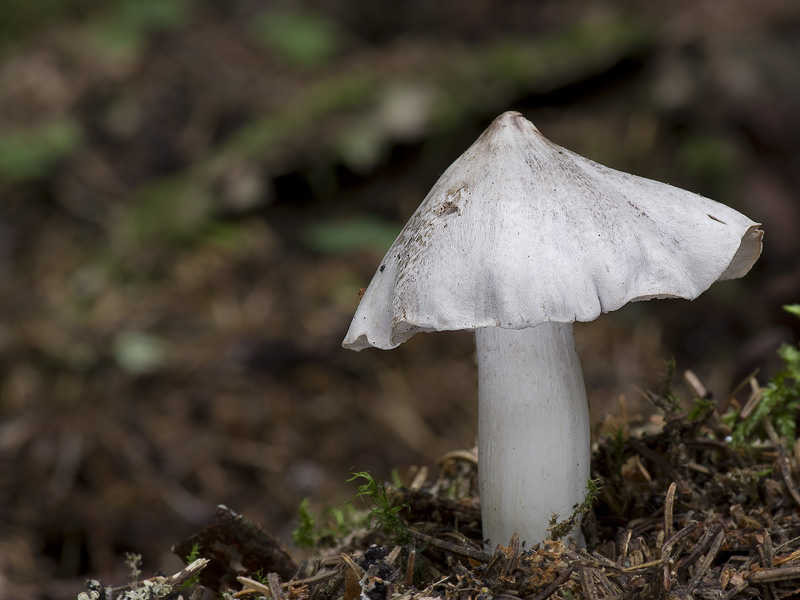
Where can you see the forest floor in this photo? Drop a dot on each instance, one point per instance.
(697, 505)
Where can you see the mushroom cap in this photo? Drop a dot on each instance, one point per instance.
(520, 231)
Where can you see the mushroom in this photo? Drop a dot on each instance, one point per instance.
(517, 240)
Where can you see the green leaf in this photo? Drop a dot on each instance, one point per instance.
(153, 14)
(300, 37)
(383, 512)
(303, 535)
(709, 158)
(33, 153)
(177, 208)
(780, 402)
(124, 28)
(792, 308)
(138, 353)
(341, 236)
(701, 407)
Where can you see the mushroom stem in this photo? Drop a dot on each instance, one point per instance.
(533, 430)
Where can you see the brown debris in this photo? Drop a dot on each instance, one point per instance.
(149, 589)
(232, 536)
(424, 506)
(710, 522)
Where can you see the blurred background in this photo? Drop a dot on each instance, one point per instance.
(192, 193)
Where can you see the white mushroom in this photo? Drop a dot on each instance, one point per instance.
(517, 240)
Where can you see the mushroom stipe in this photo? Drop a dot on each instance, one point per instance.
(516, 241)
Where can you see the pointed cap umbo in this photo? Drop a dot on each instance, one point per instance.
(519, 231)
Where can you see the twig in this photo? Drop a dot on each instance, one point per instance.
(668, 504)
(688, 560)
(623, 555)
(252, 584)
(777, 574)
(787, 543)
(709, 558)
(746, 381)
(167, 585)
(460, 550)
(392, 556)
(652, 455)
(188, 572)
(263, 589)
(669, 543)
(715, 445)
(274, 581)
(693, 381)
(316, 578)
(512, 565)
(752, 402)
(783, 462)
(351, 564)
(611, 588)
(550, 589)
(412, 557)
(644, 567)
(587, 585)
(464, 455)
(419, 480)
(735, 590)
(781, 560)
